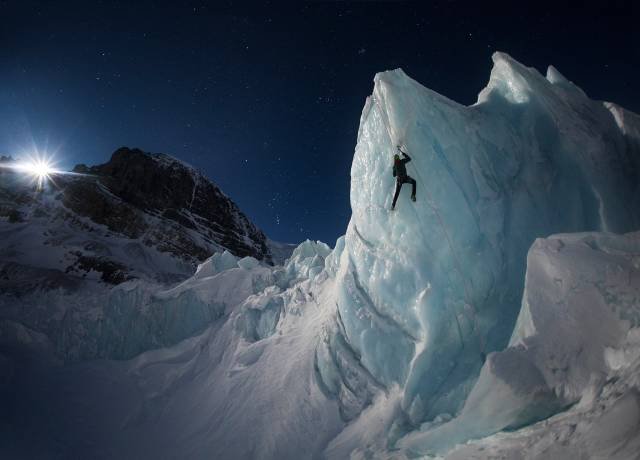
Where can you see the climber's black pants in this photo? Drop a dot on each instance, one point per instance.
(399, 182)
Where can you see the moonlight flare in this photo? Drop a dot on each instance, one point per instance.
(39, 168)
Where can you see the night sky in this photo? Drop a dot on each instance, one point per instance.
(266, 100)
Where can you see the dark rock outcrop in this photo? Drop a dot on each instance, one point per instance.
(170, 190)
(158, 216)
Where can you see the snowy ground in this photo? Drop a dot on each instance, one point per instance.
(222, 394)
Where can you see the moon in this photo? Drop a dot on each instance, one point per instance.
(40, 169)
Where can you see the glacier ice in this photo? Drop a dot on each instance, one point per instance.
(94, 321)
(426, 292)
(261, 312)
(413, 333)
(218, 262)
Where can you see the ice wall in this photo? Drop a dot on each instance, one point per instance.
(426, 291)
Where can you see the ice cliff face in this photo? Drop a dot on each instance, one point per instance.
(427, 291)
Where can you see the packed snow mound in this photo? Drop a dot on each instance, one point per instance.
(579, 327)
(427, 291)
(577, 335)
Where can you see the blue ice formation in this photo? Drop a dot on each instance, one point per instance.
(424, 293)
(260, 313)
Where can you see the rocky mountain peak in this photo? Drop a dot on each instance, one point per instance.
(146, 214)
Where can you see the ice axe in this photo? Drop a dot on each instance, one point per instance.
(399, 149)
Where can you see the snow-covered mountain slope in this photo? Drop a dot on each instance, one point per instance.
(144, 219)
(139, 215)
(422, 333)
(244, 388)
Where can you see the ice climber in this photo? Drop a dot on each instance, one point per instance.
(400, 173)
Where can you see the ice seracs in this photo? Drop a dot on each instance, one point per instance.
(423, 332)
(426, 292)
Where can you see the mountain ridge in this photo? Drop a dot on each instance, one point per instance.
(164, 215)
